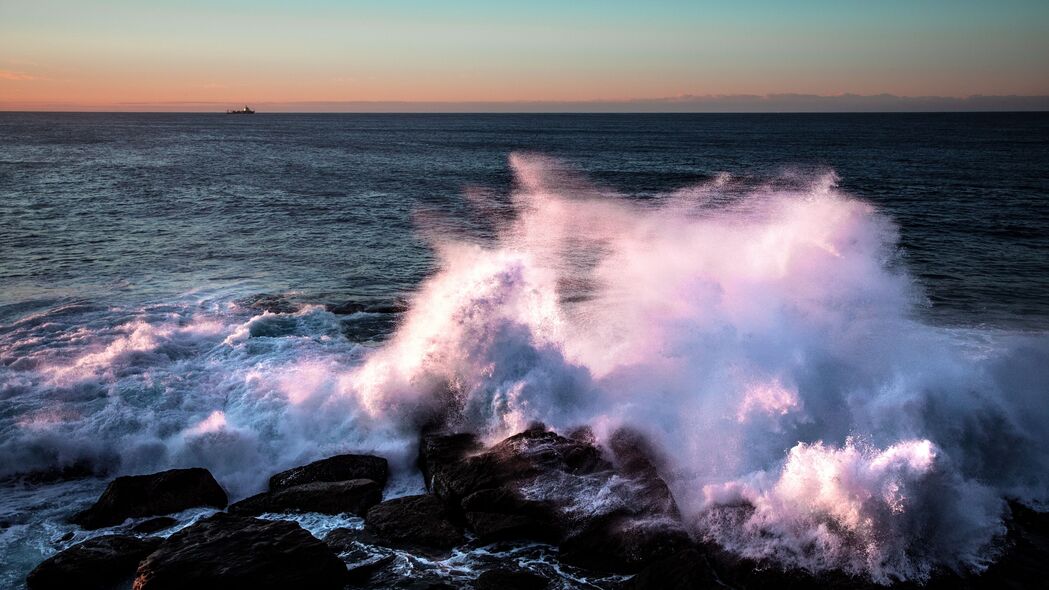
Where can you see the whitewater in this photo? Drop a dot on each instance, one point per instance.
(766, 336)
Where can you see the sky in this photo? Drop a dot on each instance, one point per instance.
(534, 55)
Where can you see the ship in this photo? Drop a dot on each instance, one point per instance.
(244, 111)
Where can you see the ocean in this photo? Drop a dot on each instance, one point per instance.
(768, 296)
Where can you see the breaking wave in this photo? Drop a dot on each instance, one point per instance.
(767, 337)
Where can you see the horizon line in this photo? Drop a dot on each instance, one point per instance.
(686, 103)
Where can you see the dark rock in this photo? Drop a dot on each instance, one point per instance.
(337, 468)
(436, 451)
(148, 495)
(502, 579)
(684, 570)
(387, 308)
(1026, 559)
(354, 496)
(621, 543)
(253, 505)
(101, 562)
(345, 308)
(227, 551)
(454, 469)
(538, 485)
(637, 458)
(361, 573)
(79, 469)
(154, 524)
(269, 302)
(412, 521)
(502, 514)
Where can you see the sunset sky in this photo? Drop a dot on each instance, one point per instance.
(193, 54)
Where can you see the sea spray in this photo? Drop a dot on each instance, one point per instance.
(769, 339)
(765, 336)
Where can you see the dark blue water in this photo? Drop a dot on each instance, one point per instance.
(166, 283)
(134, 206)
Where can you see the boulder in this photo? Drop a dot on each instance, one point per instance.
(622, 543)
(354, 496)
(440, 451)
(149, 495)
(455, 467)
(412, 522)
(337, 468)
(499, 514)
(153, 525)
(345, 308)
(613, 516)
(270, 302)
(504, 579)
(226, 551)
(685, 570)
(637, 459)
(101, 562)
(253, 505)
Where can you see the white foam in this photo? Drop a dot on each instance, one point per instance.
(768, 340)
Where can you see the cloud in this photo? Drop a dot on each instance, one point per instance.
(17, 76)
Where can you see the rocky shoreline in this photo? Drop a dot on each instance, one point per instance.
(598, 517)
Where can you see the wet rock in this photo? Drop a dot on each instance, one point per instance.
(354, 496)
(454, 468)
(438, 451)
(345, 308)
(101, 562)
(153, 525)
(361, 573)
(337, 468)
(685, 570)
(253, 505)
(503, 579)
(638, 459)
(412, 521)
(80, 469)
(270, 302)
(502, 514)
(149, 495)
(622, 543)
(386, 308)
(227, 551)
(1026, 560)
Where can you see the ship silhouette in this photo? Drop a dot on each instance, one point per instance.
(244, 111)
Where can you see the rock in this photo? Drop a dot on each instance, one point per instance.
(269, 302)
(412, 521)
(148, 495)
(101, 562)
(387, 308)
(226, 551)
(361, 573)
(153, 525)
(345, 308)
(437, 451)
(621, 543)
(355, 496)
(454, 468)
(685, 570)
(502, 579)
(502, 514)
(253, 505)
(638, 459)
(337, 468)
(1026, 561)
